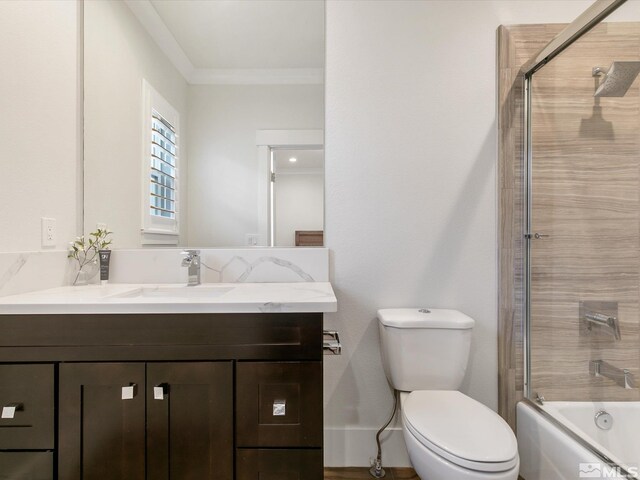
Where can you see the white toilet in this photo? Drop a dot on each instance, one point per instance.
(449, 435)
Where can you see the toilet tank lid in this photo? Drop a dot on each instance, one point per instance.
(425, 318)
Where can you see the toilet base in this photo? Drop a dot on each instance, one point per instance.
(430, 466)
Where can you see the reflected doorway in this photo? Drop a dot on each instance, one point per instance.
(297, 197)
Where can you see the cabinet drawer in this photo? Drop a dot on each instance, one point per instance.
(26, 466)
(161, 337)
(279, 404)
(30, 390)
(279, 464)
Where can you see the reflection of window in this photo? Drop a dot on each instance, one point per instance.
(162, 201)
(161, 167)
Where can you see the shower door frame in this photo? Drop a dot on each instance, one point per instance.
(575, 30)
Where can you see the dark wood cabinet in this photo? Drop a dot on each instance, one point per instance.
(162, 397)
(268, 464)
(26, 466)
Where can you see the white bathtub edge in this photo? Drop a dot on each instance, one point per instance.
(546, 452)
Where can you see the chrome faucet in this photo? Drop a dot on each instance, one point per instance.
(622, 376)
(192, 260)
(610, 323)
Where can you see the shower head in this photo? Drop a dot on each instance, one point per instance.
(617, 79)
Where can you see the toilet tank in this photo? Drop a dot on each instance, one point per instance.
(424, 349)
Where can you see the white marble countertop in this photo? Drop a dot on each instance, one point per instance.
(176, 298)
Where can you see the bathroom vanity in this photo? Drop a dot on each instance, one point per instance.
(113, 386)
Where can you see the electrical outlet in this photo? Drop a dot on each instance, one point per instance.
(252, 239)
(49, 235)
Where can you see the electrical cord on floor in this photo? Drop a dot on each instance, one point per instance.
(376, 470)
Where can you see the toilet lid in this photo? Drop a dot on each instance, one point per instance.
(461, 430)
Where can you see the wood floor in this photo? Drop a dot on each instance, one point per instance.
(359, 473)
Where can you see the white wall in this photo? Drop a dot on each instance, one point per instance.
(299, 202)
(119, 55)
(411, 188)
(39, 152)
(223, 158)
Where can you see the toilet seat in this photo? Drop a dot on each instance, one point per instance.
(461, 430)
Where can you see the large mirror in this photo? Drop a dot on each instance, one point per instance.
(204, 122)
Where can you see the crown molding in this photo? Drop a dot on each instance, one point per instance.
(299, 171)
(157, 29)
(257, 76)
(162, 36)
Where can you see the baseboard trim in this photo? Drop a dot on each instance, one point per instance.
(356, 447)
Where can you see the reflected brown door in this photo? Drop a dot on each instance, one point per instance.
(190, 421)
(102, 421)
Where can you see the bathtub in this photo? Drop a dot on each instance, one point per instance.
(549, 451)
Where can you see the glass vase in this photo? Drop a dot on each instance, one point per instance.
(81, 278)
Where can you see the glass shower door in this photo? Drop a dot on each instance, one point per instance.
(584, 264)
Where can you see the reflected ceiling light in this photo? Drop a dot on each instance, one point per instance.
(293, 159)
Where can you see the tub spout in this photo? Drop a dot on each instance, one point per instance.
(622, 376)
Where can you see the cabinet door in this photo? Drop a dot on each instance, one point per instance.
(190, 421)
(279, 404)
(102, 421)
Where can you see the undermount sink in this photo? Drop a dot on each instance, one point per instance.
(200, 292)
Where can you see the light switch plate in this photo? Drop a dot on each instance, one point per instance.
(49, 234)
(252, 239)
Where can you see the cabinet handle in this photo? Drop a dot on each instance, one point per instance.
(279, 408)
(9, 411)
(130, 391)
(160, 390)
